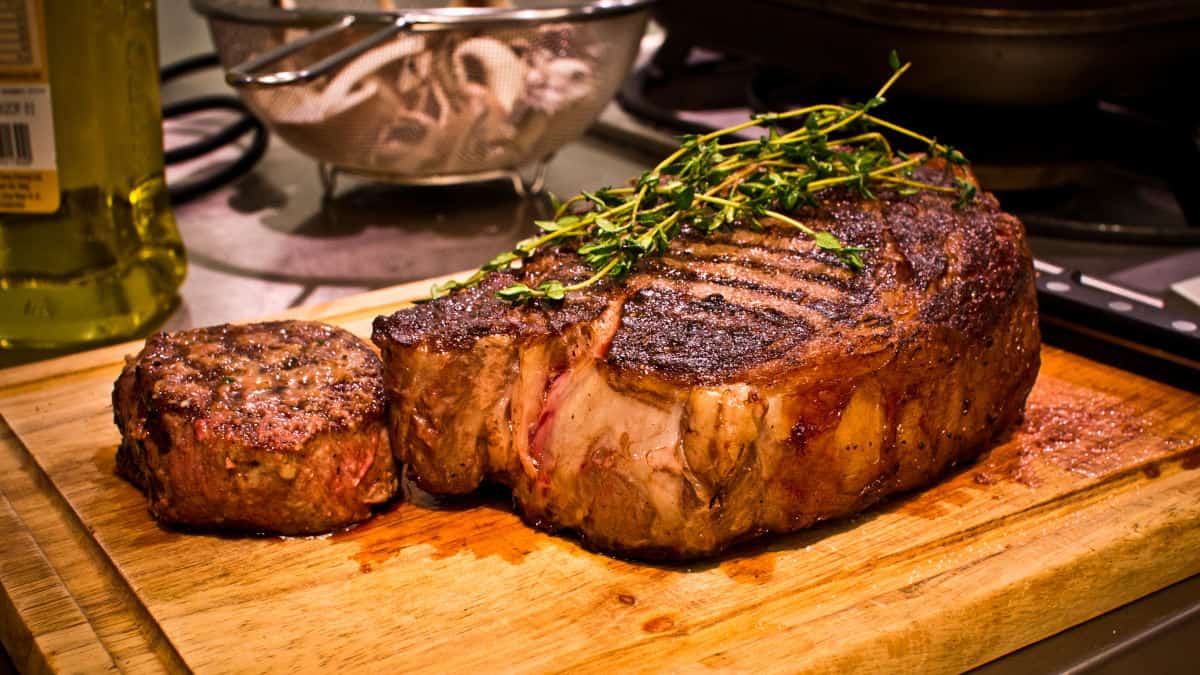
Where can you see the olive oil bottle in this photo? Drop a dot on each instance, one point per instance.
(89, 251)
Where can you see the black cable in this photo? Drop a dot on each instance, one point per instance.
(245, 123)
(228, 134)
(185, 192)
(187, 66)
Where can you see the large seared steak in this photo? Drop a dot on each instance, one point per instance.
(744, 382)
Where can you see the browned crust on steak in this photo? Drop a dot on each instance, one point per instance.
(708, 339)
(790, 295)
(744, 382)
(269, 427)
(457, 321)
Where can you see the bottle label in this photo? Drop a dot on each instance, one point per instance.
(28, 163)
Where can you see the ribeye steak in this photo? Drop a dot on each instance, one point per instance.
(745, 382)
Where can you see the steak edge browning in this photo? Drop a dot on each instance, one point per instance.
(274, 427)
(741, 384)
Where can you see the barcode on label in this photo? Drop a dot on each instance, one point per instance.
(14, 142)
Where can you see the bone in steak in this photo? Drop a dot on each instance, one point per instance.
(270, 427)
(745, 382)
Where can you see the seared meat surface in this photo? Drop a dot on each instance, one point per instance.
(271, 427)
(745, 382)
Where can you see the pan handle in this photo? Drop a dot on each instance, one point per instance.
(242, 75)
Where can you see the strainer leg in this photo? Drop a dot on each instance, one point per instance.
(328, 174)
(535, 184)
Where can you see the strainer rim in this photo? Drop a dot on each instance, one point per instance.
(445, 18)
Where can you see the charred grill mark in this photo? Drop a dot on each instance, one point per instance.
(783, 247)
(839, 312)
(708, 338)
(766, 266)
(875, 321)
(665, 270)
(842, 309)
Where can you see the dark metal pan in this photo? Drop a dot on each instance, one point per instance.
(1008, 52)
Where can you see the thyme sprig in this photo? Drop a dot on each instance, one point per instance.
(710, 183)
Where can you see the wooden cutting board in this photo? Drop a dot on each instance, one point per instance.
(1093, 503)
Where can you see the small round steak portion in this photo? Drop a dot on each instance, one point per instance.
(274, 427)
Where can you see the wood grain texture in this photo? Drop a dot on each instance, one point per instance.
(53, 635)
(81, 568)
(1094, 502)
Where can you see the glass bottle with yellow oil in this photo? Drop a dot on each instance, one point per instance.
(89, 251)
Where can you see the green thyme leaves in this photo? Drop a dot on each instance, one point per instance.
(713, 181)
(966, 192)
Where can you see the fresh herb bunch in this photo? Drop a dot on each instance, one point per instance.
(709, 184)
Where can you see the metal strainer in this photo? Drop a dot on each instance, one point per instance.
(425, 94)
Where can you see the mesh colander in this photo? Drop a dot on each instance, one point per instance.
(426, 94)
